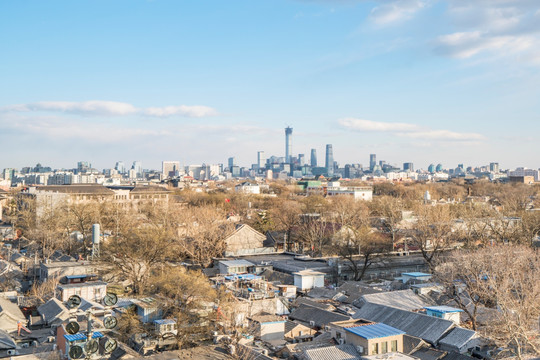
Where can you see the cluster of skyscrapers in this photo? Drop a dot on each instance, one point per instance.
(270, 167)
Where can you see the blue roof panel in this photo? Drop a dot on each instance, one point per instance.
(374, 331)
(416, 274)
(81, 336)
(443, 309)
(165, 321)
(79, 276)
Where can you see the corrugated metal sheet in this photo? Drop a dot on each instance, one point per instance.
(457, 338)
(428, 328)
(320, 317)
(374, 331)
(340, 352)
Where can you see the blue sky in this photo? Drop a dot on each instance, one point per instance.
(427, 81)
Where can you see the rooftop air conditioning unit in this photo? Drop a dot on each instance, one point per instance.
(360, 349)
(312, 323)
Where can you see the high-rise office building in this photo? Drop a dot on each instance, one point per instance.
(261, 160)
(329, 160)
(408, 166)
(170, 168)
(494, 167)
(288, 144)
(301, 159)
(120, 167)
(232, 162)
(137, 166)
(372, 161)
(313, 158)
(83, 167)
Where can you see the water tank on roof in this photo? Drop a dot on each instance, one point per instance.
(95, 234)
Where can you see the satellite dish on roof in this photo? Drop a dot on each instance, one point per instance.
(72, 327)
(74, 301)
(75, 352)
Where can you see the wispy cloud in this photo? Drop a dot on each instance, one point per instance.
(396, 11)
(110, 108)
(407, 130)
(368, 125)
(467, 44)
(493, 28)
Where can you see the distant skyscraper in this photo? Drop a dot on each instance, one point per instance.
(120, 167)
(313, 157)
(431, 168)
(288, 144)
(137, 166)
(301, 159)
(494, 167)
(329, 160)
(408, 166)
(83, 166)
(261, 160)
(170, 168)
(232, 162)
(438, 168)
(372, 161)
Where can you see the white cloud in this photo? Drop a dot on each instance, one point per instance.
(396, 11)
(407, 130)
(494, 28)
(368, 125)
(183, 110)
(110, 108)
(467, 44)
(444, 135)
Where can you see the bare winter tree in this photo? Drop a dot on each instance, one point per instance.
(433, 231)
(389, 209)
(503, 278)
(201, 233)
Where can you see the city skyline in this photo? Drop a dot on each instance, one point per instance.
(201, 83)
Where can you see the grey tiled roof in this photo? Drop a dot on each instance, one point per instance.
(428, 328)
(339, 352)
(457, 338)
(452, 355)
(11, 310)
(401, 299)
(428, 354)
(319, 316)
(411, 343)
(6, 342)
(308, 302)
(317, 293)
(53, 310)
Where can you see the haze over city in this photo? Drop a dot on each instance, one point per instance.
(425, 81)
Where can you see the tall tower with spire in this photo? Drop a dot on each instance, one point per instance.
(288, 144)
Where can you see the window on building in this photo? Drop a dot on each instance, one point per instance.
(384, 347)
(394, 346)
(374, 348)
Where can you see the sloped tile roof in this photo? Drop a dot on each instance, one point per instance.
(428, 328)
(457, 337)
(319, 316)
(339, 352)
(401, 299)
